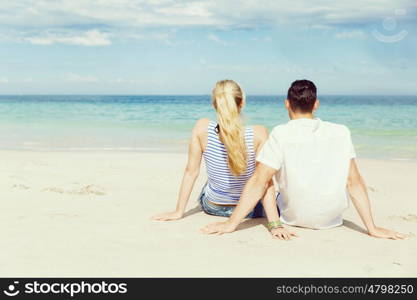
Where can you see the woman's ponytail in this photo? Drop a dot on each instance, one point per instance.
(227, 99)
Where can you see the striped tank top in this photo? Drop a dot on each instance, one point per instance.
(222, 186)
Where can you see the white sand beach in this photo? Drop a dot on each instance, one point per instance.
(87, 214)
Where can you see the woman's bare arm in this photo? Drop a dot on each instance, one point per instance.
(192, 170)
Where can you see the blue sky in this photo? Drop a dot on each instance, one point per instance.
(184, 47)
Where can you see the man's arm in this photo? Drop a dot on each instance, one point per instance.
(359, 195)
(270, 206)
(254, 190)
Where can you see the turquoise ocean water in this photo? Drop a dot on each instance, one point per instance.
(382, 126)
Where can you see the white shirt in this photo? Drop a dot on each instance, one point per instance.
(313, 157)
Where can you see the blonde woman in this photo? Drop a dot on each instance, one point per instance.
(229, 151)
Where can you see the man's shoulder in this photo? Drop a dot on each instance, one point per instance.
(336, 128)
(282, 130)
(279, 129)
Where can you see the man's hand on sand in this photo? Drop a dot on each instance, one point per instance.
(218, 228)
(283, 233)
(169, 216)
(383, 233)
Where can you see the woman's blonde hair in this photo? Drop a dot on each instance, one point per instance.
(227, 97)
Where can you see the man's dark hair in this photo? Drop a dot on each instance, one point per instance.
(302, 95)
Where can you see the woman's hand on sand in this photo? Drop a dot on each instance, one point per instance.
(218, 228)
(383, 233)
(169, 216)
(283, 233)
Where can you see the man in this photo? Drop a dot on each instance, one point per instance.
(313, 162)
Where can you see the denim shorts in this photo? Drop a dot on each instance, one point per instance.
(226, 210)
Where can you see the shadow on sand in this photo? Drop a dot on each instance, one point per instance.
(353, 226)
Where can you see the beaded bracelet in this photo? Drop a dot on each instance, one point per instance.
(274, 224)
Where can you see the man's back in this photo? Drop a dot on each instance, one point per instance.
(313, 158)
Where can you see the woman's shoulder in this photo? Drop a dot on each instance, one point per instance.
(201, 125)
(260, 135)
(202, 122)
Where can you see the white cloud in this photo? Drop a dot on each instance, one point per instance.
(167, 37)
(354, 34)
(46, 13)
(4, 80)
(198, 9)
(216, 39)
(89, 38)
(84, 19)
(79, 78)
(261, 39)
(123, 80)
